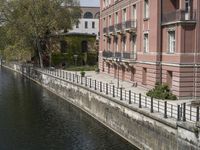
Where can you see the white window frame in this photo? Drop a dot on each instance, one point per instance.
(171, 41)
(146, 42)
(116, 18)
(124, 19)
(146, 9)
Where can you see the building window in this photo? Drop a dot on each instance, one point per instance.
(124, 18)
(116, 44)
(133, 51)
(77, 25)
(88, 15)
(146, 42)
(144, 76)
(109, 44)
(116, 18)
(86, 24)
(63, 46)
(171, 41)
(146, 9)
(134, 15)
(124, 44)
(93, 24)
(169, 78)
(110, 20)
(84, 46)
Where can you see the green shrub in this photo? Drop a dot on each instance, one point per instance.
(92, 58)
(82, 73)
(161, 91)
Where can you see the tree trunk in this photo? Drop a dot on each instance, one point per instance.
(39, 53)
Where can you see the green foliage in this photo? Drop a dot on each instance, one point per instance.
(73, 47)
(82, 73)
(161, 91)
(92, 58)
(81, 68)
(33, 21)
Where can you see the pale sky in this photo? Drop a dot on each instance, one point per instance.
(89, 2)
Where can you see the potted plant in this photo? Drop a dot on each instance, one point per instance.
(97, 70)
(82, 73)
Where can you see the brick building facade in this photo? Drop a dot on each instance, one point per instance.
(149, 41)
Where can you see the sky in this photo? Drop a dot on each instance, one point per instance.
(89, 2)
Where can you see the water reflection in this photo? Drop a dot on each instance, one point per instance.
(31, 118)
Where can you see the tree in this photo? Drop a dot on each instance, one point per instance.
(30, 23)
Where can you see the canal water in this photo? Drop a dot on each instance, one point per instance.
(32, 118)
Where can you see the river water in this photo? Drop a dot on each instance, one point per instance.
(32, 118)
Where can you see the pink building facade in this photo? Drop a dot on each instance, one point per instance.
(149, 41)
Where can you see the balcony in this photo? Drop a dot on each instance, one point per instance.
(125, 56)
(179, 16)
(130, 25)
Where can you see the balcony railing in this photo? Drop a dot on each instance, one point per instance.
(111, 28)
(122, 55)
(105, 30)
(128, 25)
(179, 15)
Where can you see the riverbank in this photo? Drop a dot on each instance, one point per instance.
(137, 125)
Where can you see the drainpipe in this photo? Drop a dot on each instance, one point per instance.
(160, 52)
(196, 66)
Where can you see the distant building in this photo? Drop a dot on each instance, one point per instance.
(89, 22)
(149, 41)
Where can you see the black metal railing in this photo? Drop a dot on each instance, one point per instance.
(105, 30)
(180, 112)
(179, 15)
(122, 55)
(111, 28)
(107, 54)
(130, 24)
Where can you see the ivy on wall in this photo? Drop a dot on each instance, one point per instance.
(84, 46)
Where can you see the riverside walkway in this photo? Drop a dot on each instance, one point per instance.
(132, 97)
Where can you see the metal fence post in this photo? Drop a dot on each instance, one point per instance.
(90, 83)
(140, 103)
(184, 117)
(178, 113)
(129, 96)
(77, 78)
(113, 91)
(73, 78)
(85, 81)
(95, 85)
(151, 104)
(81, 80)
(106, 88)
(197, 115)
(70, 76)
(121, 94)
(67, 75)
(165, 110)
(100, 86)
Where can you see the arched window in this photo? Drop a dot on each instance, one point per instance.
(88, 15)
(63, 46)
(84, 46)
(97, 15)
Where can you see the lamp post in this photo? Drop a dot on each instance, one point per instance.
(118, 60)
(75, 59)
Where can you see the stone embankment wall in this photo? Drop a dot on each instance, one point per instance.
(135, 125)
